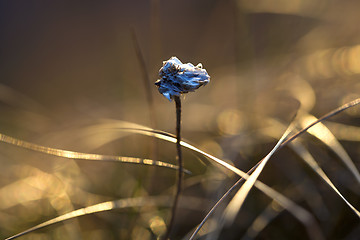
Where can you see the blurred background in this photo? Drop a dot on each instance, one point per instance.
(72, 73)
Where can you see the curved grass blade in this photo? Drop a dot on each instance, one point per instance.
(321, 132)
(196, 231)
(236, 203)
(324, 117)
(101, 207)
(84, 156)
(164, 201)
(171, 138)
(309, 159)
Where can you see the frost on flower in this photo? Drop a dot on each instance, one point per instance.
(177, 78)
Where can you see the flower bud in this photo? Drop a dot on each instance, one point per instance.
(177, 78)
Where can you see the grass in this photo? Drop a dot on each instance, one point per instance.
(233, 207)
(87, 146)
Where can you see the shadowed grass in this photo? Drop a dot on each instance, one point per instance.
(305, 155)
(301, 216)
(298, 212)
(235, 204)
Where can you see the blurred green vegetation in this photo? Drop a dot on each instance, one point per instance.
(69, 67)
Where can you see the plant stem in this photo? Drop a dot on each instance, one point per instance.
(180, 171)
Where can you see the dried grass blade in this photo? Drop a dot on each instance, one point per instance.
(308, 158)
(323, 118)
(101, 207)
(236, 203)
(84, 156)
(321, 132)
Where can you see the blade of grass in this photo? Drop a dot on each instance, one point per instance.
(170, 138)
(148, 201)
(101, 207)
(84, 156)
(324, 117)
(236, 203)
(321, 132)
(212, 210)
(309, 160)
(145, 78)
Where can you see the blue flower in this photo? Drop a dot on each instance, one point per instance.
(177, 78)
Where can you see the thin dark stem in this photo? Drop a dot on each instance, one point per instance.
(180, 163)
(151, 184)
(146, 79)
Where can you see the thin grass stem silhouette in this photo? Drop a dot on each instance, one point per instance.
(180, 170)
(145, 78)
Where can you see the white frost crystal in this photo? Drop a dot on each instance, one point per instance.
(177, 78)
